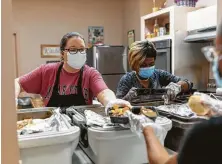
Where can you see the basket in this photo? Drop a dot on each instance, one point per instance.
(189, 3)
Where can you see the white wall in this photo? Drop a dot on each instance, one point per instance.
(133, 10)
(146, 6)
(46, 21)
(131, 19)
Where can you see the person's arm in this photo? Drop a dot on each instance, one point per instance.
(30, 83)
(184, 86)
(123, 87)
(99, 88)
(18, 88)
(172, 159)
(101, 91)
(105, 96)
(157, 154)
(166, 78)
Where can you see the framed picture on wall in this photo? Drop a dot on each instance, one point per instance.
(50, 51)
(131, 37)
(95, 35)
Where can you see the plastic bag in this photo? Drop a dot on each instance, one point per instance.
(93, 118)
(214, 105)
(161, 126)
(173, 90)
(137, 122)
(54, 123)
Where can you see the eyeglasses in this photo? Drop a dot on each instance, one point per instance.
(75, 51)
(210, 52)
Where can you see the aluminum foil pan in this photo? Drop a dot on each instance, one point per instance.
(178, 109)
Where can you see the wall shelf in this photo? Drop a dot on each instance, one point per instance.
(159, 38)
(174, 15)
(159, 13)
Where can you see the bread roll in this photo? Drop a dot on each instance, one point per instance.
(196, 105)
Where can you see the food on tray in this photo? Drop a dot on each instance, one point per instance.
(196, 105)
(23, 123)
(118, 111)
(37, 102)
(148, 112)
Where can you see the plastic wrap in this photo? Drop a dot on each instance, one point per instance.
(137, 122)
(173, 90)
(119, 102)
(53, 123)
(211, 103)
(161, 126)
(178, 109)
(132, 94)
(93, 118)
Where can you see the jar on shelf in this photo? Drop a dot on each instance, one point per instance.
(162, 31)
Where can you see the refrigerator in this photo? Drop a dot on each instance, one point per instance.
(110, 61)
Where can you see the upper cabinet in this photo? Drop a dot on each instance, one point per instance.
(201, 25)
(168, 21)
(202, 18)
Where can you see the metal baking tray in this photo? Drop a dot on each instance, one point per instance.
(145, 91)
(24, 103)
(35, 113)
(179, 118)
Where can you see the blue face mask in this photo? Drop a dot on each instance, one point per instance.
(216, 74)
(146, 72)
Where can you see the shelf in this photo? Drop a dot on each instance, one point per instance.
(165, 37)
(166, 11)
(175, 16)
(161, 12)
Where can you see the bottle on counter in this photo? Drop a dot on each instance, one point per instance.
(156, 29)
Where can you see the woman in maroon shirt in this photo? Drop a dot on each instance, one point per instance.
(69, 82)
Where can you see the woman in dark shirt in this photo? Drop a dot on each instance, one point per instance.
(142, 56)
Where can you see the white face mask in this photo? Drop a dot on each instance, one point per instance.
(77, 60)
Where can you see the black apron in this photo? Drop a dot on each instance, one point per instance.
(58, 100)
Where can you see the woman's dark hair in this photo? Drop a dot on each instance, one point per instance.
(202, 143)
(66, 37)
(139, 51)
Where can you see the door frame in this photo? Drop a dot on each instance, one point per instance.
(16, 52)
